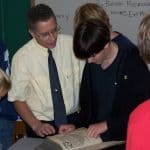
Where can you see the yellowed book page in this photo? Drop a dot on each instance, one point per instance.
(75, 140)
(79, 140)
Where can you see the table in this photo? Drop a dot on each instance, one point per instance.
(26, 144)
(32, 143)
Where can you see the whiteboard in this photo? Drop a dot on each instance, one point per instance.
(125, 15)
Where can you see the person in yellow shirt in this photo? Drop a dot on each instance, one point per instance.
(31, 90)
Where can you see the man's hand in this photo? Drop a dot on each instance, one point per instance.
(65, 128)
(43, 129)
(96, 129)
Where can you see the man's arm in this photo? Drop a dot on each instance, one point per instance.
(41, 129)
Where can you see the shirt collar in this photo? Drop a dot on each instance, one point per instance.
(39, 46)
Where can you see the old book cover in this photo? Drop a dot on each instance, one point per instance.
(76, 140)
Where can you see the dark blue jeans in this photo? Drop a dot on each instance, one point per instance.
(6, 132)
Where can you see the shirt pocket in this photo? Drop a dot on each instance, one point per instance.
(71, 77)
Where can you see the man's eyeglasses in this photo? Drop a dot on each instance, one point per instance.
(46, 35)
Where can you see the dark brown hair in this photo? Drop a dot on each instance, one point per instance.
(40, 12)
(90, 37)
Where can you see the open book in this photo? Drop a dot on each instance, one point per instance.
(76, 140)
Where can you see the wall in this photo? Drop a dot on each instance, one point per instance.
(125, 15)
(13, 29)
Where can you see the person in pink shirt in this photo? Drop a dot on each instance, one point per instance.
(138, 137)
(138, 134)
